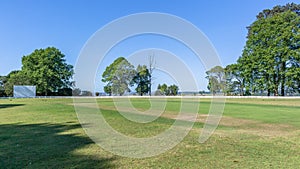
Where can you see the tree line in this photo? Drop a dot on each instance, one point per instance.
(46, 69)
(269, 65)
(121, 75)
(270, 61)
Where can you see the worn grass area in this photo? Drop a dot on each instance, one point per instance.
(253, 133)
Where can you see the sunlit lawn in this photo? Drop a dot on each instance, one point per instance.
(253, 133)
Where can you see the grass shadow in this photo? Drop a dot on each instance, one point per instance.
(47, 146)
(2, 106)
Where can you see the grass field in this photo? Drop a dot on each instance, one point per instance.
(253, 133)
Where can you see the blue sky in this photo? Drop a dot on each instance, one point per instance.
(67, 24)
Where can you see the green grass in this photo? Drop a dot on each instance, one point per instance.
(254, 133)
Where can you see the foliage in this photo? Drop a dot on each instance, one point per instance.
(118, 76)
(86, 93)
(164, 89)
(171, 90)
(2, 81)
(2, 89)
(271, 57)
(267, 13)
(142, 79)
(158, 93)
(235, 81)
(108, 90)
(216, 80)
(202, 92)
(15, 78)
(44, 68)
(48, 70)
(76, 92)
(65, 92)
(270, 62)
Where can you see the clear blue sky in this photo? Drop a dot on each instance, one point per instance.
(67, 24)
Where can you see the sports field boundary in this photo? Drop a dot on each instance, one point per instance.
(159, 97)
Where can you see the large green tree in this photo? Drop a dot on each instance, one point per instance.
(271, 57)
(142, 79)
(48, 70)
(216, 80)
(118, 76)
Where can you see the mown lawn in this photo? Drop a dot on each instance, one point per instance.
(253, 133)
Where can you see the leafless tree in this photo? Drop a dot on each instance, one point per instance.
(151, 69)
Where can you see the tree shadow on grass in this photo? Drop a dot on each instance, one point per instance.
(2, 106)
(45, 146)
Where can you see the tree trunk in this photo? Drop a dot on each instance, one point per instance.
(151, 68)
(275, 92)
(283, 79)
(275, 81)
(150, 86)
(282, 90)
(268, 85)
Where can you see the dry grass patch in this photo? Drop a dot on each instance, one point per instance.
(277, 102)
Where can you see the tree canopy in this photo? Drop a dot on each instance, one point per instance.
(216, 79)
(166, 90)
(118, 76)
(271, 57)
(45, 68)
(15, 78)
(235, 80)
(270, 62)
(48, 70)
(142, 79)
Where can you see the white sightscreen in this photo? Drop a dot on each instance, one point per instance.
(24, 91)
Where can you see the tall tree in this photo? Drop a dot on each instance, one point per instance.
(142, 79)
(151, 69)
(271, 56)
(216, 79)
(48, 70)
(118, 76)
